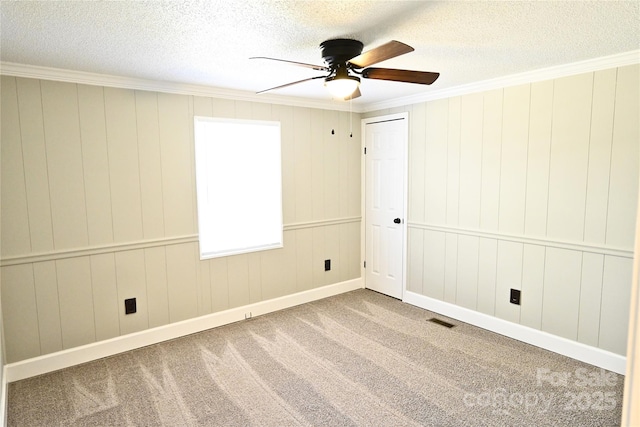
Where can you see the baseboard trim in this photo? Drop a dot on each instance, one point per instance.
(585, 353)
(87, 353)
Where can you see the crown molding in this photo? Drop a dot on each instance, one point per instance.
(549, 73)
(97, 79)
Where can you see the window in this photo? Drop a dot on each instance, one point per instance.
(239, 186)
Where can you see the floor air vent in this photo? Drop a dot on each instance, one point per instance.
(441, 322)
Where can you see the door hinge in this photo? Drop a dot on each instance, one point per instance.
(365, 264)
(365, 150)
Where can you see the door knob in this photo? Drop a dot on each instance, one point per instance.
(397, 220)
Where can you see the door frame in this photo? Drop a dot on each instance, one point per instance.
(405, 191)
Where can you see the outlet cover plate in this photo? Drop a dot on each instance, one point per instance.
(130, 306)
(515, 297)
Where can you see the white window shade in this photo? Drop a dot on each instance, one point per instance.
(239, 186)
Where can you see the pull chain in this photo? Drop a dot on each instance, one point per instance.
(350, 118)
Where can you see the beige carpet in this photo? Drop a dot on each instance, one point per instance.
(357, 359)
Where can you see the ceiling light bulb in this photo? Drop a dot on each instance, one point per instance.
(342, 86)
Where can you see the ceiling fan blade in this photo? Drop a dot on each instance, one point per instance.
(299, 64)
(356, 94)
(407, 76)
(386, 51)
(292, 83)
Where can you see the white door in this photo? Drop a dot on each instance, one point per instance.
(385, 148)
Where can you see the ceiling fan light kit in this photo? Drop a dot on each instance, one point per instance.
(342, 85)
(345, 55)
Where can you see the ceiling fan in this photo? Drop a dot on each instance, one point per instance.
(345, 61)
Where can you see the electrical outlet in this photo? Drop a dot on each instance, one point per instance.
(515, 297)
(327, 264)
(130, 306)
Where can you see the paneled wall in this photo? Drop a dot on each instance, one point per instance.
(98, 205)
(535, 188)
(2, 354)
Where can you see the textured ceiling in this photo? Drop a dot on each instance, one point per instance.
(209, 42)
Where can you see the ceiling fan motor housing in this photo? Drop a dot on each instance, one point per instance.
(337, 52)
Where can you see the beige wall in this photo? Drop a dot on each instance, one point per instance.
(98, 205)
(532, 187)
(3, 396)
